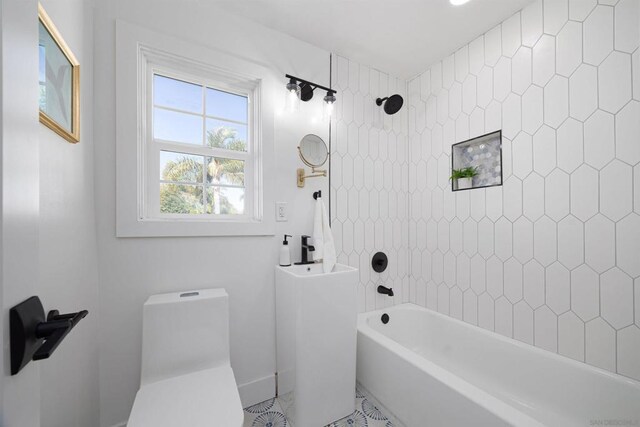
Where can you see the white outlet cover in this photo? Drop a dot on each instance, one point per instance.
(281, 212)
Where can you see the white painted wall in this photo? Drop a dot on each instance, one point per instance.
(551, 257)
(131, 269)
(19, 209)
(68, 245)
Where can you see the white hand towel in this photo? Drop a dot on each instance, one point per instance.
(323, 238)
(318, 233)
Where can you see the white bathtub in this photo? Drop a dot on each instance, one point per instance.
(428, 369)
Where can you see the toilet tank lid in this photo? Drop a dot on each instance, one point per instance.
(184, 296)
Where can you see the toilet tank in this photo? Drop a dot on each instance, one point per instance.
(184, 332)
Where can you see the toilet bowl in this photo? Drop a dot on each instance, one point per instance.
(186, 376)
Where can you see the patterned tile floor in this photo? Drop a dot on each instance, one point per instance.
(270, 414)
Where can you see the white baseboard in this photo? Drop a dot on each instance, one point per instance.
(257, 391)
(124, 424)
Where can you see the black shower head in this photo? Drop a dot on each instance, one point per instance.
(392, 104)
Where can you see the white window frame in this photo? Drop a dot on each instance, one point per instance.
(143, 53)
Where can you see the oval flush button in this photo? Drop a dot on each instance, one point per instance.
(189, 294)
(379, 262)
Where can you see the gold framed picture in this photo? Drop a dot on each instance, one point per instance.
(59, 78)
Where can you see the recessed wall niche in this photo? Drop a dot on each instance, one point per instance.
(477, 162)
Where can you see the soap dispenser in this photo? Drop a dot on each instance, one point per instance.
(285, 253)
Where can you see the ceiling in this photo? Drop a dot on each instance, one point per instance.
(402, 37)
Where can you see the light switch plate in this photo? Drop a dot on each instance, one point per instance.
(281, 212)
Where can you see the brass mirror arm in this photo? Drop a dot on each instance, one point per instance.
(301, 177)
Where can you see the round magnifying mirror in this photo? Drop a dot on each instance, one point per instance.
(313, 151)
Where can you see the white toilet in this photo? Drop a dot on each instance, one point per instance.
(186, 377)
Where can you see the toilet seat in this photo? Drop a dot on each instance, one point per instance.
(204, 398)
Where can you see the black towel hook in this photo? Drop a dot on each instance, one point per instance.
(317, 194)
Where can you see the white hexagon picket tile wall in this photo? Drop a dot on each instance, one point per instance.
(571, 242)
(533, 197)
(544, 60)
(512, 195)
(503, 238)
(531, 23)
(628, 350)
(616, 293)
(614, 82)
(504, 317)
(584, 192)
(571, 336)
(511, 116)
(636, 74)
(521, 70)
(569, 48)
(628, 244)
(580, 9)
(522, 152)
(545, 329)
(616, 197)
(627, 30)
(556, 101)
(502, 79)
(558, 286)
(636, 188)
(513, 280)
(523, 322)
(599, 243)
(557, 200)
(534, 284)
(599, 139)
(598, 35)
(545, 240)
(556, 13)
(600, 345)
(585, 293)
(523, 259)
(495, 277)
(544, 150)
(583, 92)
(523, 240)
(532, 109)
(627, 131)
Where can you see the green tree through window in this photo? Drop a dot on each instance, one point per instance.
(222, 175)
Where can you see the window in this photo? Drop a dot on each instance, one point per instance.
(200, 143)
(194, 139)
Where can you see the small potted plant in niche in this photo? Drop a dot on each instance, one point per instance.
(463, 178)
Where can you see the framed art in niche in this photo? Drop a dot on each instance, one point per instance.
(59, 81)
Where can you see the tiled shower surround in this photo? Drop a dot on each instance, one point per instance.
(369, 181)
(551, 258)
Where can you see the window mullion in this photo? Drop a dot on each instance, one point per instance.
(204, 144)
(202, 151)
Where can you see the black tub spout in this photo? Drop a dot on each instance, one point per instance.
(385, 291)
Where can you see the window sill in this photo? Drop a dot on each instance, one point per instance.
(194, 228)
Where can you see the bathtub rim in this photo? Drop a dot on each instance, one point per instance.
(472, 392)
